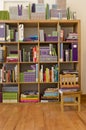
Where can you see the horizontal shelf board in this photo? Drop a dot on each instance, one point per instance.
(28, 62)
(11, 62)
(48, 82)
(68, 23)
(53, 42)
(28, 82)
(68, 62)
(48, 62)
(9, 83)
(5, 42)
(28, 42)
(68, 42)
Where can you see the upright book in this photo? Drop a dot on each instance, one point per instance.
(2, 32)
(74, 52)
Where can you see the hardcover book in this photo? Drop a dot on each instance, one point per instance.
(74, 51)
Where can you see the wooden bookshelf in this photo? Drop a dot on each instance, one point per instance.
(38, 58)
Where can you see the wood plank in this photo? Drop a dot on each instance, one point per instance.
(41, 116)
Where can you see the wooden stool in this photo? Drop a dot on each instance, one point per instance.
(70, 94)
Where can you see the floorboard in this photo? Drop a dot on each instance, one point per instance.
(41, 116)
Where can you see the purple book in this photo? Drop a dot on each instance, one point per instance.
(74, 52)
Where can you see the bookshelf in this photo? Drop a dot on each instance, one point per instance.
(34, 54)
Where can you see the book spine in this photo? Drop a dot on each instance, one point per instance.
(21, 32)
(2, 32)
(36, 72)
(61, 52)
(74, 52)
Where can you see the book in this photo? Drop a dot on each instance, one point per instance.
(61, 52)
(2, 32)
(41, 35)
(74, 52)
(21, 32)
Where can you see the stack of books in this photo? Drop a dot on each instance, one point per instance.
(12, 57)
(29, 96)
(48, 54)
(9, 97)
(51, 92)
(10, 94)
(72, 37)
(30, 75)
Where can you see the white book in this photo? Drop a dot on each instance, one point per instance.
(41, 35)
(21, 32)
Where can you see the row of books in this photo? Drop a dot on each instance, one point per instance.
(8, 33)
(27, 55)
(70, 53)
(9, 74)
(49, 74)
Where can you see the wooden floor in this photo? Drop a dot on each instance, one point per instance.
(41, 116)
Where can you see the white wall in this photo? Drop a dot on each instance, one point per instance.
(80, 7)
